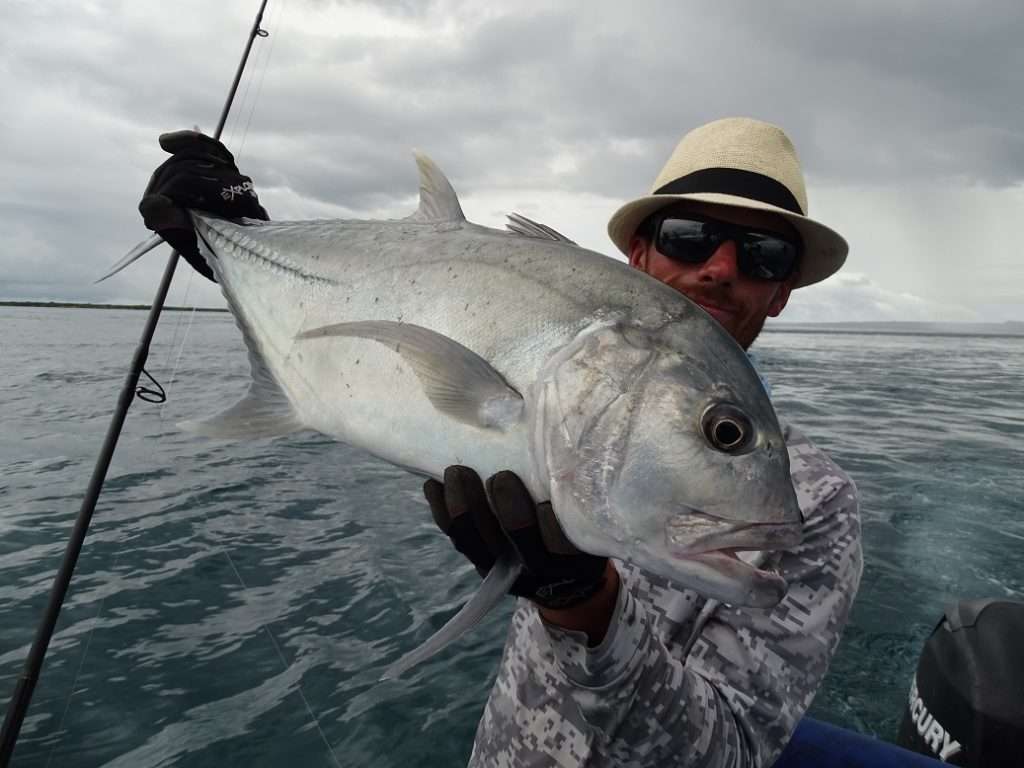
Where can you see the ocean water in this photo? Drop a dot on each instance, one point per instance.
(235, 602)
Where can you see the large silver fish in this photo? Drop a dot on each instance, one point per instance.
(431, 341)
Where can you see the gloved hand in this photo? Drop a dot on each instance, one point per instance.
(556, 574)
(201, 174)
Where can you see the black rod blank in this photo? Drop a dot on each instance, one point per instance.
(22, 696)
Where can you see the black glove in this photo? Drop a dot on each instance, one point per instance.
(201, 174)
(556, 574)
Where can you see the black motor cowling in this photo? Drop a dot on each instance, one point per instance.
(966, 702)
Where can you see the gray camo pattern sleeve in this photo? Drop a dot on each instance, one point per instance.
(680, 680)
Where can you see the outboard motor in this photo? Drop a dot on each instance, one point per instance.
(967, 699)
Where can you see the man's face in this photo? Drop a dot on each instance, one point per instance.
(738, 302)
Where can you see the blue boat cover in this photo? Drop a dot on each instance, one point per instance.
(819, 745)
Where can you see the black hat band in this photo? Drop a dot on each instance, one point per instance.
(732, 181)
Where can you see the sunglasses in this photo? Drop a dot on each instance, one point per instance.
(760, 255)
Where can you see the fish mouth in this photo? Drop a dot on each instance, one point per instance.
(711, 544)
(696, 533)
(748, 584)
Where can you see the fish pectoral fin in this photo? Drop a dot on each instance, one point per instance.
(494, 587)
(456, 380)
(438, 201)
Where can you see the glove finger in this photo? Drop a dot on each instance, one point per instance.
(195, 162)
(517, 516)
(434, 493)
(472, 528)
(191, 141)
(193, 256)
(159, 213)
(465, 495)
(551, 532)
(238, 194)
(157, 177)
(227, 194)
(512, 503)
(259, 212)
(466, 539)
(178, 174)
(184, 242)
(202, 191)
(463, 490)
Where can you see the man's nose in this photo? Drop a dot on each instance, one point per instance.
(721, 267)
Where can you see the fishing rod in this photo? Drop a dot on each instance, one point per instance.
(22, 696)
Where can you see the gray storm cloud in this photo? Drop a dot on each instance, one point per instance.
(533, 106)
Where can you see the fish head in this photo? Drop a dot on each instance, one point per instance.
(661, 448)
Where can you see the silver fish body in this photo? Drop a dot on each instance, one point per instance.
(431, 341)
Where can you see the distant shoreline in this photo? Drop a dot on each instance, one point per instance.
(1010, 329)
(1006, 330)
(869, 331)
(80, 305)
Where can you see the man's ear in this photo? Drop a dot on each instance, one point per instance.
(638, 252)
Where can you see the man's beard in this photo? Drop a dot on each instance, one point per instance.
(744, 334)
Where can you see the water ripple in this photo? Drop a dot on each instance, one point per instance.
(226, 586)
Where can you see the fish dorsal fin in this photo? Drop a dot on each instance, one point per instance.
(521, 225)
(438, 201)
(456, 380)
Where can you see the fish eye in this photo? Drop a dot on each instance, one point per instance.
(727, 428)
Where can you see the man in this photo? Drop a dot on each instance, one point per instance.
(605, 664)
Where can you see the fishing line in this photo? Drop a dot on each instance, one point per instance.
(238, 154)
(81, 666)
(117, 553)
(286, 666)
(245, 94)
(259, 67)
(262, 68)
(177, 359)
(27, 680)
(263, 73)
(74, 683)
(182, 302)
(159, 395)
(184, 339)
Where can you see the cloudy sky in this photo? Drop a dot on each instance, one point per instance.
(907, 114)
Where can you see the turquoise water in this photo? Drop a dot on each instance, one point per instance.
(235, 602)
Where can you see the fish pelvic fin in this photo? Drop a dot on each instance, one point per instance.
(253, 416)
(438, 201)
(456, 380)
(494, 587)
(265, 411)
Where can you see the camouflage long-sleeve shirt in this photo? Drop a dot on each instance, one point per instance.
(680, 680)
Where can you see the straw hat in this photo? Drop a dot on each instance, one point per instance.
(738, 163)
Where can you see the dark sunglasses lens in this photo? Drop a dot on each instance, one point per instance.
(768, 257)
(686, 240)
